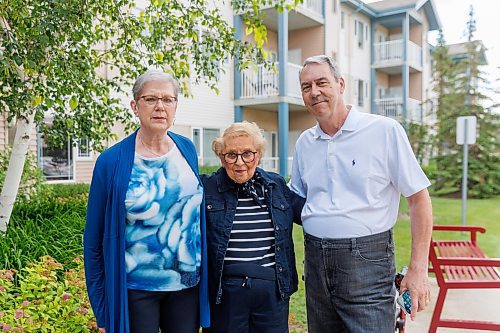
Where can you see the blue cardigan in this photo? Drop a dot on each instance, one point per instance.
(104, 236)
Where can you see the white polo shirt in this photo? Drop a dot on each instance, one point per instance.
(353, 181)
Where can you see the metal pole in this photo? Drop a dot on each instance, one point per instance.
(464, 174)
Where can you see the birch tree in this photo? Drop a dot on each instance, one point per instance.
(51, 54)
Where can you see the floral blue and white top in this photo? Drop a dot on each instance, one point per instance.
(162, 235)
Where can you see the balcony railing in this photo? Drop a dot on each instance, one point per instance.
(393, 107)
(264, 82)
(273, 164)
(391, 53)
(315, 6)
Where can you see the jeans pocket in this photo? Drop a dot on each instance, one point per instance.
(373, 252)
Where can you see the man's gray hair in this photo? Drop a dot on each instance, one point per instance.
(154, 75)
(321, 59)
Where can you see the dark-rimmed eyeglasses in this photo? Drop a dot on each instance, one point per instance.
(247, 156)
(152, 100)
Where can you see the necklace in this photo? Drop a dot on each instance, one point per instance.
(150, 150)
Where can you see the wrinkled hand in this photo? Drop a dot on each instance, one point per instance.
(417, 283)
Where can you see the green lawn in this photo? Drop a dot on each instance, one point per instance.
(485, 212)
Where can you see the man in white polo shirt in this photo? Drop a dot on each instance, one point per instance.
(352, 167)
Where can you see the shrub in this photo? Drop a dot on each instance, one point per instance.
(208, 169)
(40, 301)
(50, 224)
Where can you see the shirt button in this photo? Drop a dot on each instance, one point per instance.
(209, 206)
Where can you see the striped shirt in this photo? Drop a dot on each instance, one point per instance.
(252, 235)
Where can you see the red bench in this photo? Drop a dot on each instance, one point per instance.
(461, 264)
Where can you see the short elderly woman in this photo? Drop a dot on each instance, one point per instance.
(144, 240)
(250, 213)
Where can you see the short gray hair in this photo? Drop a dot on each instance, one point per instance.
(154, 75)
(321, 59)
(244, 128)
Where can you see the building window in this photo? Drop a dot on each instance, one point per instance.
(361, 95)
(56, 162)
(334, 6)
(84, 151)
(202, 139)
(360, 33)
(342, 19)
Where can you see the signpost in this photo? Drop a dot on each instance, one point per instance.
(466, 134)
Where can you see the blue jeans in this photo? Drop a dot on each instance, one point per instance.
(350, 284)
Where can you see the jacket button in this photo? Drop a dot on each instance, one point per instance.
(280, 269)
(282, 206)
(278, 248)
(209, 206)
(277, 227)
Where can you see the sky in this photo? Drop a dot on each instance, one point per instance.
(454, 14)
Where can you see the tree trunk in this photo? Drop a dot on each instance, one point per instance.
(25, 125)
(10, 187)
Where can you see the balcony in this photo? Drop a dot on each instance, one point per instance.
(307, 14)
(389, 56)
(264, 83)
(393, 107)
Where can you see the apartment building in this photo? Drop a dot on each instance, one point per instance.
(382, 50)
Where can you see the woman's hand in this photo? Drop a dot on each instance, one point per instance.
(102, 330)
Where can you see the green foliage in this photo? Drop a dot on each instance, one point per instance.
(50, 224)
(53, 54)
(208, 169)
(38, 299)
(420, 140)
(32, 178)
(459, 85)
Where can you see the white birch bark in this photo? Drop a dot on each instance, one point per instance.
(17, 159)
(10, 187)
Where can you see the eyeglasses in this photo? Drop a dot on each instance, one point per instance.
(247, 156)
(152, 100)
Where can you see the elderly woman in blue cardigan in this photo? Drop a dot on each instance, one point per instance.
(145, 239)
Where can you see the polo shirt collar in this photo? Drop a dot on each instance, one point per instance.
(350, 124)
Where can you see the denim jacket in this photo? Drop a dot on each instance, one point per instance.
(221, 200)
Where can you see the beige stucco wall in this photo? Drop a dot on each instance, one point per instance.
(416, 86)
(266, 120)
(395, 80)
(310, 41)
(382, 79)
(301, 120)
(416, 34)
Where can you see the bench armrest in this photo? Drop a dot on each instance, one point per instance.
(466, 261)
(470, 228)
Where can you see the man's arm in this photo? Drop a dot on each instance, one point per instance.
(416, 280)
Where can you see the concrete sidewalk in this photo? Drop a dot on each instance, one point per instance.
(477, 304)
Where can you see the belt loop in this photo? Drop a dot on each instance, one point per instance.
(353, 245)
